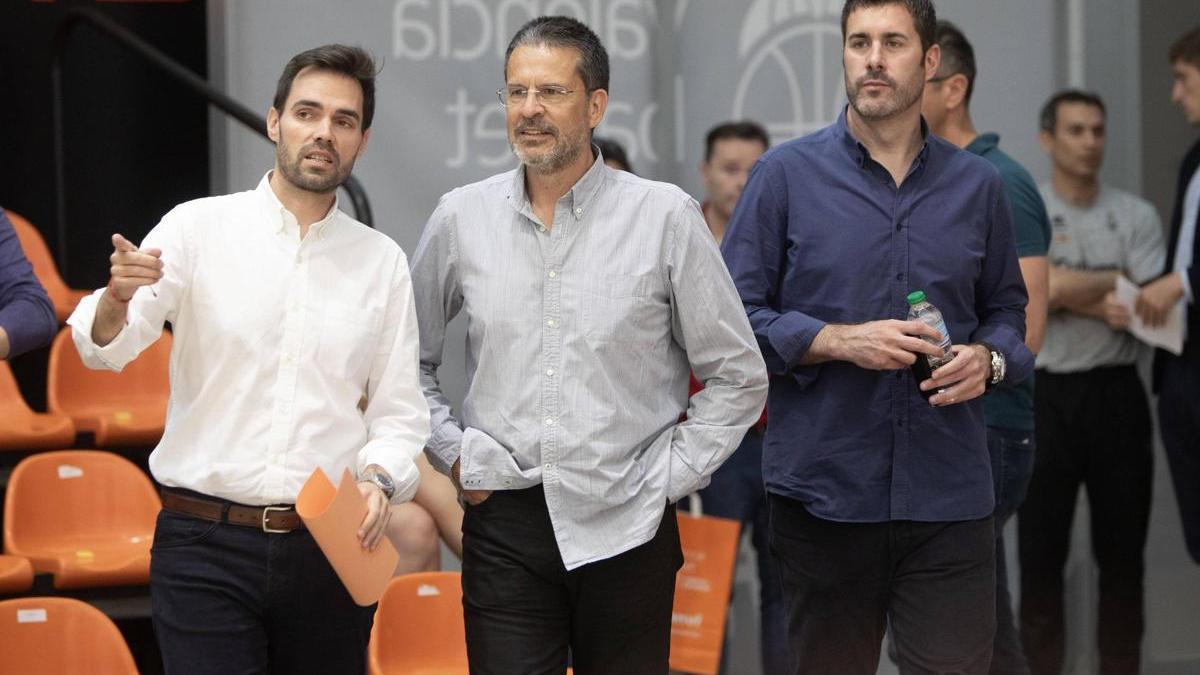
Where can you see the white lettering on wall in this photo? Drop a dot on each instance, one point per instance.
(466, 30)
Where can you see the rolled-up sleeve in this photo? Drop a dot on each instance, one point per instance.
(1000, 295)
(26, 314)
(438, 296)
(755, 251)
(150, 307)
(711, 325)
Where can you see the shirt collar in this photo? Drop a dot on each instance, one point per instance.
(859, 153)
(983, 143)
(282, 220)
(580, 196)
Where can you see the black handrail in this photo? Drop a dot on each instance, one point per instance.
(178, 72)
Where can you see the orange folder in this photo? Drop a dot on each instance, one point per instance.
(333, 516)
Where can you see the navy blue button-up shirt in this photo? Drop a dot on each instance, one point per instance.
(822, 234)
(25, 310)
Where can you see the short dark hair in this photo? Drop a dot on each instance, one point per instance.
(353, 62)
(923, 14)
(1186, 48)
(745, 130)
(563, 31)
(1049, 119)
(958, 56)
(613, 150)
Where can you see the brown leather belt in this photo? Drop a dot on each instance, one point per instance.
(271, 519)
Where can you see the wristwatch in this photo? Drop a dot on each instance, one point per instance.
(999, 366)
(383, 480)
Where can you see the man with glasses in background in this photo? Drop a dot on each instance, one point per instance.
(588, 294)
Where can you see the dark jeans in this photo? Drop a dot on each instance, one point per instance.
(737, 492)
(1093, 428)
(233, 600)
(1179, 418)
(1012, 452)
(843, 582)
(523, 609)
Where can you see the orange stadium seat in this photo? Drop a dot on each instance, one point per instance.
(85, 516)
(702, 590)
(60, 635)
(122, 409)
(64, 297)
(419, 627)
(16, 575)
(24, 429)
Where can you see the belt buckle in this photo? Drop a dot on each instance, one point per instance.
(267, 510)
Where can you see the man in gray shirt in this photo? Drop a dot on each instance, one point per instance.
(1093, 420)
(588, 294)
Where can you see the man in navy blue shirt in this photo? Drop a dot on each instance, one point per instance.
(26, 315)
(881, 500)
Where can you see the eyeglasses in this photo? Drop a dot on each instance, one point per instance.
(548, 96)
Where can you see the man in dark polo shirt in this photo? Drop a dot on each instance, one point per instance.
(1007, 409)
(880, 500)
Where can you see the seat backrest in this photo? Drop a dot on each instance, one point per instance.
(72, 386)
(419, 624)
(702, 592)
(60, 635)
(10, 392)
(36, 251)
(66, 494)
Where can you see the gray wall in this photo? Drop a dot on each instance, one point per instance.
(679, 66)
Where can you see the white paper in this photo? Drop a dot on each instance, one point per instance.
(1168, 336)
(31, 616)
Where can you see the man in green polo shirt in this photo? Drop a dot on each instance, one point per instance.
(1008, 409)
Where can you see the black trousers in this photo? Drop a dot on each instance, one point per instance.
(1179, 420)
(1093, 429)
(233, 600)
(524, 610)
(843, 582)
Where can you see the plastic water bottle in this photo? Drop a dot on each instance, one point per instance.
(920, 309)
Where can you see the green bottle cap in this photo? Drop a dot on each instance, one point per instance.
(916, 297)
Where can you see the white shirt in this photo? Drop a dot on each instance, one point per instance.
(1187, 235)
(276, 342)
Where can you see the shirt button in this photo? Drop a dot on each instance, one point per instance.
(900, 276)
(547, 466)
(552, 274)
(550, 322)
(549, 421)
(578, 211)
(550, 372)
(899, 226)
(541, 228)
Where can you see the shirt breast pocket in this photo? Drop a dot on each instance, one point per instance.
(348, 341)
(619, 309)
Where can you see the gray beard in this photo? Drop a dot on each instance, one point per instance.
(560, 157)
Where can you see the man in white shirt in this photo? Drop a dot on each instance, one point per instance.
(286, 314)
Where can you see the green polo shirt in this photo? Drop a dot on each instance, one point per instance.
(1011, 406)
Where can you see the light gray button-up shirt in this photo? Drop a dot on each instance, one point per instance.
(579, 341)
